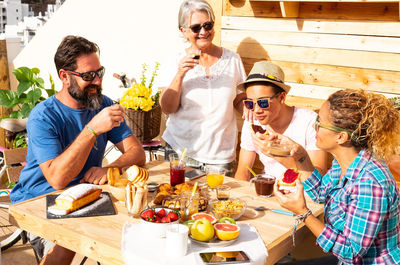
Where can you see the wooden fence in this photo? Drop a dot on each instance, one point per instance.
(4, 83)
(322, 46)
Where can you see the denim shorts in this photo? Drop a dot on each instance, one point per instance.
(193, 163)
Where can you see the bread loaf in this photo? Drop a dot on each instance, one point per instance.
(136, 198)
(74, 198)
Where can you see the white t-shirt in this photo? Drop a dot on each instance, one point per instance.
(301, 130)
(205, 122)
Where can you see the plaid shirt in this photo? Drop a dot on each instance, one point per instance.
(361, 212)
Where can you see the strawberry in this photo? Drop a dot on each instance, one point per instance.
(148, 214)
(157, 219)
(173, 216)
(161, 213)
(290, 176)
(165, 219)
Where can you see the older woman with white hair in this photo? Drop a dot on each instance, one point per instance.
(201, 95)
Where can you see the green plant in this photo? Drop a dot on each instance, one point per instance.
(139, 96)
(20, 141)
(29, 92)
(396, 102)
(10, 185)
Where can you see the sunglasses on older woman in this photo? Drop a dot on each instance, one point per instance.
(262, 103)
(206, 25)
(89, 76)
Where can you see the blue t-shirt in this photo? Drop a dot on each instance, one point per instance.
(52, 127)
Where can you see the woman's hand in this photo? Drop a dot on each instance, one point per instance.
(293, 201)
(188, 62)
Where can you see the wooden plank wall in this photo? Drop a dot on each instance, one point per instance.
(329, 46)
(326, 46)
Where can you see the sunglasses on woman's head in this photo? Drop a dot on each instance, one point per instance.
(330, 127)
(262, 103)
(206, 25)
(89, 76)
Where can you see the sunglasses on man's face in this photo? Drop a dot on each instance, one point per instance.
(89, 76)
(206, 25)
(262, 103)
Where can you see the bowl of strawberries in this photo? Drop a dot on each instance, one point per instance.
(156, 220)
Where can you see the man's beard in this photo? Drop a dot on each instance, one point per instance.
(83, 97)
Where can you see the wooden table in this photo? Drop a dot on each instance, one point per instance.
(99, 238)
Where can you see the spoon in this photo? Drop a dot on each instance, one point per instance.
(262, 208)
(190, 201)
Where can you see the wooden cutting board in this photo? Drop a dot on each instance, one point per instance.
(99, 207)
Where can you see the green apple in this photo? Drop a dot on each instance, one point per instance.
(189, 223)
(202, 230)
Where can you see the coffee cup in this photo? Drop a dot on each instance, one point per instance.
(264, 184)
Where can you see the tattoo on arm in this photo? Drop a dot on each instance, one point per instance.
(301, 159)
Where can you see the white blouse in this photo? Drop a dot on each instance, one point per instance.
(205, 122)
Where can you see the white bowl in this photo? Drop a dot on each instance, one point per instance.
(156, 229)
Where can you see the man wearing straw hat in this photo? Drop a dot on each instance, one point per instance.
(266, 93)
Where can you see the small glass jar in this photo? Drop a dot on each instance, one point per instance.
(223, 192)
(186, 203)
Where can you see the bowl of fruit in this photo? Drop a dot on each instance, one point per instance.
(208, 231)
(156, 220)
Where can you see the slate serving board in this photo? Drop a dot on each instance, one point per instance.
(99, 207)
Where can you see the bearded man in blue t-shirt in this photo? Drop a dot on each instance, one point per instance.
(68, 134)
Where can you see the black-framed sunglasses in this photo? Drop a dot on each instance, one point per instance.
(262, 103)
(206, 25)
(91, 75)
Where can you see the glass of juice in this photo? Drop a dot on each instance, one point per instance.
(176, 169)
(215, 177)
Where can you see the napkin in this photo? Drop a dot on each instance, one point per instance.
(137, 249)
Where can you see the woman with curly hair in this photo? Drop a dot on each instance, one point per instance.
(361, 130)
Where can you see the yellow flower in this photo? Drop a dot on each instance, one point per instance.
(139, 97)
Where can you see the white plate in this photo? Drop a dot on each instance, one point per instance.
(215, 242)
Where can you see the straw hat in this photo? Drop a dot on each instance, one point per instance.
(265, 71)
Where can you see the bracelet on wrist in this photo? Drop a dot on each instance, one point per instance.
(95, 135)
(303, 217)
(91, 130)
(299, 219)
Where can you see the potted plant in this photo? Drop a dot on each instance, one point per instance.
(142, 108)
(30, 92)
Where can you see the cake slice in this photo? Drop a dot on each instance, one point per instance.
(74, 198)
(288, 182)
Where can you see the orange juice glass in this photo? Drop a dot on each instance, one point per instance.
(215, 177)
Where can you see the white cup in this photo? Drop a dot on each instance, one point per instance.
(176, 240)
